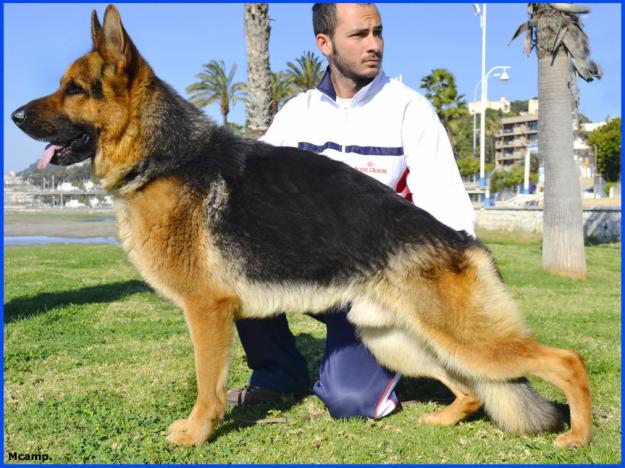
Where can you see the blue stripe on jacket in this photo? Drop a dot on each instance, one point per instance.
(319, 148)
(376, 150)
(364, 150)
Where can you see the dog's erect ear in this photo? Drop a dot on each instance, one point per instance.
(114, 44)
(96, 30)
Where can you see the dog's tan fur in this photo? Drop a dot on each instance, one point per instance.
(417, 316)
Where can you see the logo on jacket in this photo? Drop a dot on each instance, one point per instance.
(370, 168)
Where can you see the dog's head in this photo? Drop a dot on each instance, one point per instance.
(91, 108)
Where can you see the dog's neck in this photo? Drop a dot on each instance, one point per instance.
(169, 132)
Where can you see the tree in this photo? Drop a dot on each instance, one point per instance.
(76, 174)
(493, 124)
(518, 106)
(556, 33)
(306, 72)
(462, 142)
(468, 166)
(607, 141)
(216, 86)
(463, 138)
(282, 90)
(441, 90)
(259, 77)
(509, 177)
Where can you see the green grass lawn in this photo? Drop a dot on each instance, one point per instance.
(96, 366)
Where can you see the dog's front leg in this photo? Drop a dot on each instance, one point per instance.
(210, 324)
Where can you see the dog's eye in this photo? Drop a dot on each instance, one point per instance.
(73, 89)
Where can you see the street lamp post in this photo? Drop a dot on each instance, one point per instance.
(483, 100)
(503, 76)
(526, 173)
(531, 149)
(474, 115)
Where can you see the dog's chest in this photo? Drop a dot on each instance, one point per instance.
(160, 231)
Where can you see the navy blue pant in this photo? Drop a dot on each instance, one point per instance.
(351, 382)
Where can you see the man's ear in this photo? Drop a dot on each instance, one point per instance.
(324, 44)
(114, 44)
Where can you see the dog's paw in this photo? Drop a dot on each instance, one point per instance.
(440, 418)
(433, 419)
(184, 439)
(179, 425)
(571, 440)
(183, 432)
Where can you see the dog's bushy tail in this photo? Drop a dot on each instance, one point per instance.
(517, 408)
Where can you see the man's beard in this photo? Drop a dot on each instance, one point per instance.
(345, 68)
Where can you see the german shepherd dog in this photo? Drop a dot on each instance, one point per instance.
(229, 228)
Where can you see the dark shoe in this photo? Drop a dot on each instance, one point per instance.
(253, 395)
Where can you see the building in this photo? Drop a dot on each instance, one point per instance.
(585, 156)
(517, 133)
(15, 190)
(11, 179)
(590, 126)
(503, 105)
(513, 138)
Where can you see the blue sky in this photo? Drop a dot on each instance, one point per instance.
(40, 40)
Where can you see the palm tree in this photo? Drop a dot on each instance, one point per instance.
(306, 72)
(493, 123)
(441, 90)
(259, 76)
(216, 86)
(554, 30)
(282, 90)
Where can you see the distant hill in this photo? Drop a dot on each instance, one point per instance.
(76, 174)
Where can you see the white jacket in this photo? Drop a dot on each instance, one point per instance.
(389, 132)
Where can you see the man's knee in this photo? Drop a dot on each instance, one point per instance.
(346, 406)
(355, 402)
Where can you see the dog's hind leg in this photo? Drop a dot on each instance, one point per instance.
(400, 350)
(468, 319)
(497, 368)
(465, 404)
(565, 369)
(512, 402)
(209, 319)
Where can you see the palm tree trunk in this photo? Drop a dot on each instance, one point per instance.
(563, 235)
(224, 109)
(257, 32)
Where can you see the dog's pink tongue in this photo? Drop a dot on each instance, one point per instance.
(47, 156)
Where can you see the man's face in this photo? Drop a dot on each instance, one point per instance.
(357, 45)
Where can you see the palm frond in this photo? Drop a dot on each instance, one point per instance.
(306, 72)
(527, 42)
(523, 27)
(552, 26)
(215, 85)
(564, 27)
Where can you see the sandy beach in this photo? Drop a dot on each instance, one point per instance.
(59, 223)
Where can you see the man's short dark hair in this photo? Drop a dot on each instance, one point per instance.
(324, 18)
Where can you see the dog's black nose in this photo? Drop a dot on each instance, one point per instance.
(19, 116)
